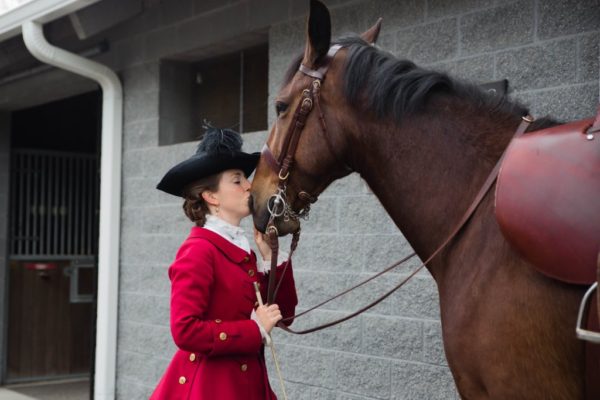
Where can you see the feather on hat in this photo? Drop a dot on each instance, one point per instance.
(219, 150)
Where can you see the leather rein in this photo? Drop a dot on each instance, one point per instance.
(279, 206)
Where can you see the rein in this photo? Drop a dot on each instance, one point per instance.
(279, 206)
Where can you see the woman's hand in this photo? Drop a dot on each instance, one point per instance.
(262, 242)
(268, 316)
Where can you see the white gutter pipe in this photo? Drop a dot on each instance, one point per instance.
(37, 10)
(110, 198)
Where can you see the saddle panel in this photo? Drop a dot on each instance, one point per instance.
(548, 200)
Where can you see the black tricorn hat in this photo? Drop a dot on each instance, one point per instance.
(219, 150)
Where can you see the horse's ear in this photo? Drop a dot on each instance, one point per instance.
(318, 32)
(370, 35)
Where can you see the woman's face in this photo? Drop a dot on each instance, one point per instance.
(233, 195)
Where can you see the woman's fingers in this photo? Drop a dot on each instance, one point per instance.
(268, 315)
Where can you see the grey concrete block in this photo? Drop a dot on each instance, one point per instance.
(144, 308)
(314, 288)
(347, 21)
(165, 220)
(387, 42)
(497, 28)
(140, 106)
(150, 249)
(299, 391)
(567, 103)
(145, 278)
(254, 141)
(350, 185)
(475, 69)
(428, 43)
(127, 389)
(421, 381)
(535, 67)
(142, 368)
(346, 336)
(131, 222)
(418, 298)
(346, 396)
(139, 191)
(141, 78)
(444, 8)
(323, 217)
(589, 69)
(364, 215)
(146, 339)
(315, 367)
(393, 337)
(331, 252)
(141, 134)
(381, 251)
(362, 375)
(396, 14)
(565, 17)
(433, 347)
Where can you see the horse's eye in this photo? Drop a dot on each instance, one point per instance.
(280, 107)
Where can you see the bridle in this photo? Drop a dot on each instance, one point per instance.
(279, 206)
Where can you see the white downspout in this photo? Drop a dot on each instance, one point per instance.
(110, 198)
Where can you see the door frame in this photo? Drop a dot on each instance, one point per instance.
(5, 134)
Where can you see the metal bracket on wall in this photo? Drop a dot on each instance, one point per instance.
(75, 296)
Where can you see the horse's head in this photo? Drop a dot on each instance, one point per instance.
(306, 150)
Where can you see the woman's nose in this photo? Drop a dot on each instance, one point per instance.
(246, 185)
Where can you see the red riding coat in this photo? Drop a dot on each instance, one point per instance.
(221, 354)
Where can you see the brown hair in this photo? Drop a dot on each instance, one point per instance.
(194, 206)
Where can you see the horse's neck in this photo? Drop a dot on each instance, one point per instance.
(427, 171)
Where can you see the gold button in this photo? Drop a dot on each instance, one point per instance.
(244, 367)
(223, 336)
(182, 380)
(250, 272)
(246, 259)
(218, 321)
(192, 357)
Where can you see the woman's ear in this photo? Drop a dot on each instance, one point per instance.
(209, 198)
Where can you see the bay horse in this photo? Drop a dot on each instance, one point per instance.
(425, 143)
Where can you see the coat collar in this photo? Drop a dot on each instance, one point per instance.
(231, 251)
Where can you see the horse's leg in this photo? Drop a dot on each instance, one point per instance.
(508, 330)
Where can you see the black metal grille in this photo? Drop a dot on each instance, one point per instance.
(54, 203)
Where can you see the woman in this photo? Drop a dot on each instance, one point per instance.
(215, 319)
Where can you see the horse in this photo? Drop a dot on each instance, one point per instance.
(425, 143)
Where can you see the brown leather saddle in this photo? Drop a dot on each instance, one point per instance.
(548, 199)
(548, 208)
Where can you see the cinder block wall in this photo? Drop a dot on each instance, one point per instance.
(547, 49)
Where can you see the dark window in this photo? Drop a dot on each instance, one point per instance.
(229, 90)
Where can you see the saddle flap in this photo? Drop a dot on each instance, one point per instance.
(548, 200)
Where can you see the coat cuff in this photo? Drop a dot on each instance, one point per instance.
(236, 337)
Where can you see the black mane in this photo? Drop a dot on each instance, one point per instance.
(391, 88)
(396, 88)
